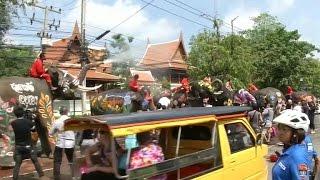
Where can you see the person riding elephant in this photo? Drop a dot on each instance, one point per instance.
(252, 88)
(243, 97)
(289, 93)
(134, 85)
(37, 70)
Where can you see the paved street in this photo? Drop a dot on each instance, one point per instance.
(27, 167)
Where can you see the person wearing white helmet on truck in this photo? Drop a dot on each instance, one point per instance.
(293, 163)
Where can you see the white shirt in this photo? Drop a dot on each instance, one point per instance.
(65, 139)
(164, 101)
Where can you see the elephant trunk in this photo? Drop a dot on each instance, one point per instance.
(85, 69)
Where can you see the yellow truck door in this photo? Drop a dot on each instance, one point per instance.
(241, 158)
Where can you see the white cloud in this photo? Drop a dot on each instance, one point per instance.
(279, 6)
(244, 17)
(140, 26)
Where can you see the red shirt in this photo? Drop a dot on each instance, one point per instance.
(185, 82)
(37, 68)
(133, 85)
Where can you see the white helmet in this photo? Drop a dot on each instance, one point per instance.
(294, 119)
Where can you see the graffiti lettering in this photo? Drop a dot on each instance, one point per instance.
(20, 88)
(28, 100)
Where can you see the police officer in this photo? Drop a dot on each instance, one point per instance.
(293, 162)
(312, 153)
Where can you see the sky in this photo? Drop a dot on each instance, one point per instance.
(164, 20)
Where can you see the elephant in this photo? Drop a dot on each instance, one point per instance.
(115, 101)
(215, 93)
(268, 95)
(36, 96)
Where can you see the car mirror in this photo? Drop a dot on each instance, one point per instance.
(259, 139)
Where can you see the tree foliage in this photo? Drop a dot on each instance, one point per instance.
(7, 9)
(15, 61)
(216, 56)
(267, 55)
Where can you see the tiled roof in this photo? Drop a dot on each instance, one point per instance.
(94, 75)
(165, 55)
(68, 50)
(145, 77)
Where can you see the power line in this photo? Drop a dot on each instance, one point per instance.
(205, 15)
(135, 13)
(191, 7)
(126, 35)
(75, 7)
(68, 4)
(88, 25)
(192, 12)
(182, 17)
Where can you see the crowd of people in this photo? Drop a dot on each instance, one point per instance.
(98, 162)
(292, 122)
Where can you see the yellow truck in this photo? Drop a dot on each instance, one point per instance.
(197, 142)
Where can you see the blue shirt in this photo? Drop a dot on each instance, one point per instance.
(312, 153)
(292, 164)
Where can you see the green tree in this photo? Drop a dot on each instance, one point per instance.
(5, 22)
(7, 9)
(267, 55)
(226, 57)
(122, 59)
(280, 57)
(120, 43)
(15, 61)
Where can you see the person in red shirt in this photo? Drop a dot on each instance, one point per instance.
(133, 84)
(185, 84)
(252, 88)
(37, 70)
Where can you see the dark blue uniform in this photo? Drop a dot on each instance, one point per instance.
(292, 164)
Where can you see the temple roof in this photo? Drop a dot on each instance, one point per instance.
(171, 54)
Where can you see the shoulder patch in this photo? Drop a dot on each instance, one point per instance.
(303, 169)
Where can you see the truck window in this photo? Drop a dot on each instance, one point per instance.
(193, 133)
(239, 137)
(198, 153)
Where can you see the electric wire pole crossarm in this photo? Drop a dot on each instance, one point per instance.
(43, 33)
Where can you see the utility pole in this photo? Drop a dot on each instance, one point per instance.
(232, 35)
(43, 33)
(83, 58)
(232, 24)
(216, 21)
